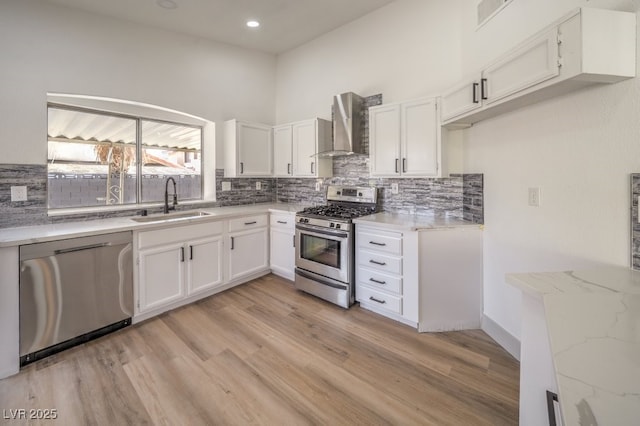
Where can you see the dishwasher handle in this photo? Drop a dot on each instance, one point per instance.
(74, 249)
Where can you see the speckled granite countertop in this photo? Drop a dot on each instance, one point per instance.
(593, 320)
(408, 222)
(41, 233)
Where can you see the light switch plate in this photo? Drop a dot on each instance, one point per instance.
(258, 186)
(18, 193)
(394, 188)
(318, 186)
(534, 197)
(226, 186)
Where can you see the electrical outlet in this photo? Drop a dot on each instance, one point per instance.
(394, 188)
(258, 186)
(534, 197)
(318, 186)
(18, 193)
(226, 186)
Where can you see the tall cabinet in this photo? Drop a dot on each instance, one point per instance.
(405, 139)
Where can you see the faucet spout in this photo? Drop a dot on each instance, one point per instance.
(166, 195)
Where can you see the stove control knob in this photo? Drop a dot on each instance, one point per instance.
(332, 225)
(301, 220)
(359, 194)
(337, 226)
(306, 220)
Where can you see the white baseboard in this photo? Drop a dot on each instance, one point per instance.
(505, 339)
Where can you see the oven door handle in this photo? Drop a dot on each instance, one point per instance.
(311, 231)
(320, 280)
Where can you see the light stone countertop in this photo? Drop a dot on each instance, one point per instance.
(593, 320)
(409, 222)
(40, 233)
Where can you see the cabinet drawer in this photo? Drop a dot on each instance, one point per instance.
(178, 234)
(387, 242)
(282, 220)
(248, 222)
(392, 284)
(378, 299)
(380, 262)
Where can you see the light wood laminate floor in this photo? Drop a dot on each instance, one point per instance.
(264, 353)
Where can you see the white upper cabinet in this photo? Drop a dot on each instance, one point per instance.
(404, 139)
(248, 149)
(283, 151)
(296, 146)
(585, 47)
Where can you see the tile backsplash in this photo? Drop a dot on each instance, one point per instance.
(635, 226)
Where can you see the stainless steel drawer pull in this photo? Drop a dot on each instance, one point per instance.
(232, 243)
(377, 300)
(375, 262)
(181, 254)
(373, 280)
(250, 223)
(377, 244)
(282, 222)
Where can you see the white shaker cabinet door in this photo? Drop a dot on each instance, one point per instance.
(420, 138)
(248, 252)
(305, 148)
(254, 150)
(161, 276)
(384, 140)
(204, 266)
(282, 151)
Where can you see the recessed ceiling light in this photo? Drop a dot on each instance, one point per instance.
(167, 4)
(253, 24)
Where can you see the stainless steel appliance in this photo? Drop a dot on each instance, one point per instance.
(325, 243)
(72, 291)
(347, 126)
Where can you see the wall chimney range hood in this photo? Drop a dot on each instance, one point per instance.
(347, 134)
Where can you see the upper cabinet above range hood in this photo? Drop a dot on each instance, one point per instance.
(347, 134)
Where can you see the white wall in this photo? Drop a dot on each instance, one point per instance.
(579, 149)
(47, 48)
(407, 49)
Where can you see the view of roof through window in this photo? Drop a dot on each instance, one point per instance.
(92, 158)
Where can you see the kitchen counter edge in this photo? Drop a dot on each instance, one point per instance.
(10, 237)
(409, 222)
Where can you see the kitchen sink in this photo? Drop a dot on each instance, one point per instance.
(171, 216)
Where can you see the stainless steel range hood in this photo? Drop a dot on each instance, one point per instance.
(347, 134)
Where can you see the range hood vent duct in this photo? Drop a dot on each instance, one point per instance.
(347, 134)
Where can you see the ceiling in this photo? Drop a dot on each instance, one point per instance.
(285, 24)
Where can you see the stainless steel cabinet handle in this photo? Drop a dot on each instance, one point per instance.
(312, 164)
(288, 168)
(181, 254)
(294, 240)
(373, 280)
(377, 244)
(375, 262)
(377, 300)
(241, 167)
(250, 223)
(397, 160)
(72, 249)
(282, 222)
(404, 165)
(474, 91)
(483, 88)
(190, 252)
(232, 243)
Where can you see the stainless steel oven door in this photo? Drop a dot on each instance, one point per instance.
(323, 251)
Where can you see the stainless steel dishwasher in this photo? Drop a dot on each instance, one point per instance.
(72, 291)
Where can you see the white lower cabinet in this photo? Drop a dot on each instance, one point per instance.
(386, 278)
(248, 246)
(282, 242)
(178, 262)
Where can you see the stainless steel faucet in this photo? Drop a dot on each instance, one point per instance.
(166, 195)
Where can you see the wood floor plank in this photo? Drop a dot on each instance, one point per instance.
(265, 353)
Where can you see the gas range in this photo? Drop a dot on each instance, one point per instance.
(343, 204)
(325, 243)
